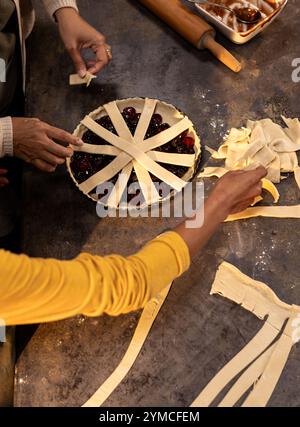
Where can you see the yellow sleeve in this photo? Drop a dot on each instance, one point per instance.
(36, 290)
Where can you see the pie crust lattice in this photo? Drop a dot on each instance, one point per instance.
(136, 152)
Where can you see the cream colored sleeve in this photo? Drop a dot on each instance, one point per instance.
(39, 290)
(6, 137)
(53, 5)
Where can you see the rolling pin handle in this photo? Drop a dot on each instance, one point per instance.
(221, 53)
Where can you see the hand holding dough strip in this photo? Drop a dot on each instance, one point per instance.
(264, 364)
(262, 142)
(146, 321)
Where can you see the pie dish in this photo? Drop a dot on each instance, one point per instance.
(135, 140)
(237, 32)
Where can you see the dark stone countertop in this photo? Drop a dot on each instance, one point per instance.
(195, 334)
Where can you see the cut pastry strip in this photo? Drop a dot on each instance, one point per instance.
(172, 158)
(105, 134)
(120, 186)
(105, 174)
(237, 138)
(274, 170)
(167, 135)
(118, 121)
(135, 153)
(211, 151)
(252, 149)
(268, 212)
(108, 150)
(257, 200)
(288, 161)
(145, 323)
(146, 184)
(250, 352)
(293, 130)
(270, 187)
(264, 157)
(213, 171)
(74, 79)
(145, 119)
(247, 379)
(259, 299)
(264, 388)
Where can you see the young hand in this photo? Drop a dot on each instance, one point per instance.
(236, 190)
(233, 193)
(40, 144)
(3, 181)
(76, 35)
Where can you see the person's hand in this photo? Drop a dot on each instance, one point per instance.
(3, 181)
(237, 190)
(40, 144)
(77, 35)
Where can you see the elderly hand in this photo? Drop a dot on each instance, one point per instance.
(40, 144)
(3, 181)
(76, 35)
(236, 190)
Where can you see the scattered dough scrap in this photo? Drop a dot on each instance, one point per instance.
(76, 80)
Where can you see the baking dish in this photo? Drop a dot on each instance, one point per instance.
(238, 36)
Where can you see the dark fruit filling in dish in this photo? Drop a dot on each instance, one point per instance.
(84, 165)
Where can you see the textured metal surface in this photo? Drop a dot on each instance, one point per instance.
(195, 334)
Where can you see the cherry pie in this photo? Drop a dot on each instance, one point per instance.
(134, 140)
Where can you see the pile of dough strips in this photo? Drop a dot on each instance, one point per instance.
(261, 142)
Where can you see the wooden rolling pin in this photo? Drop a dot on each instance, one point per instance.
(193, 28)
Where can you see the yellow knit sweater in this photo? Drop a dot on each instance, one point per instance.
(43, 290)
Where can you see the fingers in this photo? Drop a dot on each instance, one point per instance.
(58, 150)
(3, 181)
(51, 159)
(240, 207)
(43, 166)
(103, 56)
(254, 191)
(78, 61)
(256, 174)
(63, 137)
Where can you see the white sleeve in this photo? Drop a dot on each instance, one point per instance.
(6, 137)
(53, 5)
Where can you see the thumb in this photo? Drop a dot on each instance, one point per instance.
(78, 62)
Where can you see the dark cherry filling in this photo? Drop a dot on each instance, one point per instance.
(84, 165)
